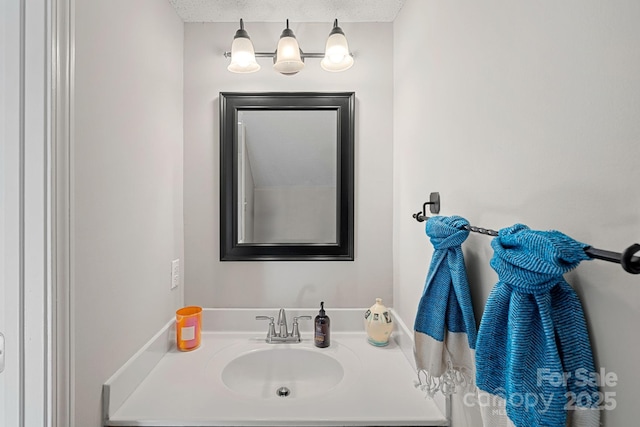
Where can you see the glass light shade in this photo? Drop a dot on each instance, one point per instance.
(288, 60)
(243, 58)
(336, 54)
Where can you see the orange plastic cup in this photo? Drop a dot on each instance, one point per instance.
(188, 327)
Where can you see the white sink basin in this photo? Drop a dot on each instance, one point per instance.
(222, 382)
(282, 372)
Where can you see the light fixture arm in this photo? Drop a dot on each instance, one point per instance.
(287, 32)
(336, 29)
(241, 31)
(227, 54)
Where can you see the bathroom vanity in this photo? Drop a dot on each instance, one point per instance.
(236, 378)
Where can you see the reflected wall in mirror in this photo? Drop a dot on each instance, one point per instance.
(287, 183)
(287, 159)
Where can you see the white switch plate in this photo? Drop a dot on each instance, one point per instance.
(175, 273)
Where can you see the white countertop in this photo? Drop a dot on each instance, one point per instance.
(184, 389)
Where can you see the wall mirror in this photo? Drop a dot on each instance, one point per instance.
(286, 176)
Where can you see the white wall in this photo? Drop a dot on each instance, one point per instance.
(524, 112)
(11, 165)
(212, 283)
(126, 186)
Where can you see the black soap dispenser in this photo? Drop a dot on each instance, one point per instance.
(322, 329)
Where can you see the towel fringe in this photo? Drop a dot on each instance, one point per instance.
(450, 382)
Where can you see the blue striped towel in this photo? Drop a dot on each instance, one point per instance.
(445, 327)
(533, 356)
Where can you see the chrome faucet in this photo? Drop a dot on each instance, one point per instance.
(282, 324)
(282, 335)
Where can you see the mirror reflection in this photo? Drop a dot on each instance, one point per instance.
(287, 162)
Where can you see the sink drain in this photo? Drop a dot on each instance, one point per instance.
(283, 392)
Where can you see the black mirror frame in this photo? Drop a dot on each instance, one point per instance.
(230, 249)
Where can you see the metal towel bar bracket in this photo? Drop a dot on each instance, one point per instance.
(434, 206)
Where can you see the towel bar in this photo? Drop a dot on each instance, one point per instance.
(629, 262)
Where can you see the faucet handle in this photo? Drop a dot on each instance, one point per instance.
(272, 327)
(295, 332)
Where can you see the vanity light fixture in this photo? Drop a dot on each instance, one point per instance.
(288, 54)
(243, 58)
(336, 53)
(288, 59)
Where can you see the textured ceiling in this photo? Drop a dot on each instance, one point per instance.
(295, 10)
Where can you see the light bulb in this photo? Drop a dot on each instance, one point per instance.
(243, 58)
(288, 59)
(336, 53)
